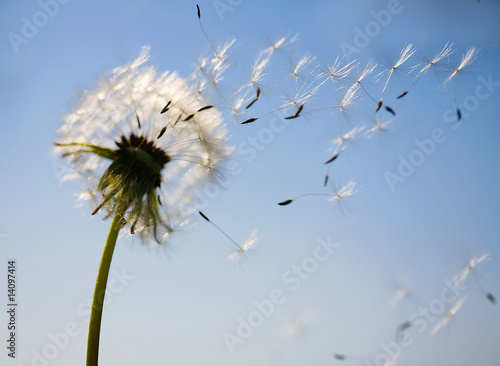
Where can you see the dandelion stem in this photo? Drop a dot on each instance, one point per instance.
(100, 289)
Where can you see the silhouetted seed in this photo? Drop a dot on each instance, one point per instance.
(198, 10)
(378, 106)
(402, 94)
(326, 180)
(296, 113)
(339, 357)
(390, 110)
(251, 103)
(256, 98)
(159, 201)
(332, 158)
(138, 122)
(284, 203)
(250, 120)
(492, 298)
(205, 108)
(132, 229)
(162, 132)
(188, 117)
(165, 108)
(459, 114)
(202, 215)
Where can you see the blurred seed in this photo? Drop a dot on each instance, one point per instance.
(138, 122)
(159, 201)
(378, 106)
(326, 180)
(198, 11)
(492, 298)
(390, 110)
(459, 114)
(284, 203)
(339, 357)
(402, 94)
(332, 158)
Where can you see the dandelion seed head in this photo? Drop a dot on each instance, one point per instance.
(126, 152)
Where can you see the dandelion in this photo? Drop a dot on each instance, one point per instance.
(140, 143)
(449, 316)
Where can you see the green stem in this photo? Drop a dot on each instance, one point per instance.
(100, 289)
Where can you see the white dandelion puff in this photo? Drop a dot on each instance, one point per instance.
(139, 136)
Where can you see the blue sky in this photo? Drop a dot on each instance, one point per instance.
(173, 305)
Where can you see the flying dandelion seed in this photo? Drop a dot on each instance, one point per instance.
(403, 57)
(449, 316)
(338, 196)
(430, 64)
(466, 61)
(470, 269)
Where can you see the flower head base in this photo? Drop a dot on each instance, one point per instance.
(141, 143)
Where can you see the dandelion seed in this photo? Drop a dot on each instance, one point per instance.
(459, 278)
(338, 196)
(491, 298)
(330, 160)
(205, 108)
(339, 357)
(449, 316)
(138, 121)
(166, 108)
(222, 231)
(402, 94)
(459, 114)
(250, 120)
(162, 132)
(296, 113)
(403, 57)
(390, 110)
(444, 53)
(326, 180)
